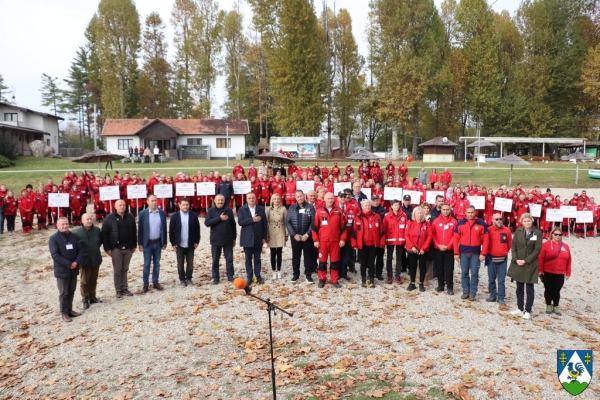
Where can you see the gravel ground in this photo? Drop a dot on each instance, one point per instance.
(212, 341)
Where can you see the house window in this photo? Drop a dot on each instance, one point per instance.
(47, 142)
(124, 144)
(11, 117)
(221, 143)
(194, 142)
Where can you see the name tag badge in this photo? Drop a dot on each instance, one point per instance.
(301, 211)
(324, 222)
(446, 227)
(402, 226)
(534, 237)
(370, 226)
(69, 246)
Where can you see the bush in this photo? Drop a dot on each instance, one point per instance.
(9, 145)
(5, 162)
(536, 158)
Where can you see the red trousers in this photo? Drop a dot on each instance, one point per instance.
(329, 251)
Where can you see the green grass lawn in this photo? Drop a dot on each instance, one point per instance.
(32, 170)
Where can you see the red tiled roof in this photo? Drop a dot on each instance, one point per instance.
(130, 127)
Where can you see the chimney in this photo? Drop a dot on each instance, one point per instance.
(145, 120)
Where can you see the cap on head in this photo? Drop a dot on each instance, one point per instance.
(341, 194)
(548, 190)
(375, 197)
(406, 197)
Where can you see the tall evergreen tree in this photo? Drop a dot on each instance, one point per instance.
(183, 19)
(153, 84)
(4, 92)
(116, 27)
(51, 94)
(235, 45)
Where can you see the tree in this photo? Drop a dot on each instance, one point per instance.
(348, 84)
(78, 98)
(590, 83)
(209, 28)
(406, 36)
(257, 67)
(4, 92)
(153, 85)
(235, 44)
(51, 94)
(183, 21)
(116, 27)
(298, 71)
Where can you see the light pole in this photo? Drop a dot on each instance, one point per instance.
(227, 141)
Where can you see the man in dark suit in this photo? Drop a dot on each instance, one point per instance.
(253, 220)
(184, 233)
(222, 236)
(152, 239)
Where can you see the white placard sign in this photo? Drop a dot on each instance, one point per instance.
(242, 187)
(415, 196)
(569, 211)
(392, 193)
(109, 193)
(367, 192)
(185, 189)
(58, 200)
(136, 192)
(205, 189)
(163, 191)
(585, 217)
(554, 215)
(477, 201)
(305, 186)
(340, 186)
(430, 195)
(535, 210)
(502, 204)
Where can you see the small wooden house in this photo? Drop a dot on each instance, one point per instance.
(438, 149)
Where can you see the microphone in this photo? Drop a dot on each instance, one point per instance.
(240, 283)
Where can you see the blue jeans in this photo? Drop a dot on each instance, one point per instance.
(497, 271)
(344, 259)
(216, 256)
(469, 265)
(152, 253)
(251, 252)
(1, 221)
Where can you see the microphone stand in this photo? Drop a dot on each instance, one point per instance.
(270, 308)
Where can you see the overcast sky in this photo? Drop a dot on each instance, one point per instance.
(41, 36)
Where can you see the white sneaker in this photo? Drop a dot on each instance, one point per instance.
(517, 312)
(274, 275)
(279, 275)
(526, 315)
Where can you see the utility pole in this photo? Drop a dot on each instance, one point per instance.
(329, 75)
(227, 141)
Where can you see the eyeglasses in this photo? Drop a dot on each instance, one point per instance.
(557, 234)
(497, 219)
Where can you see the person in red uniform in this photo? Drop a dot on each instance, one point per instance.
(446, 177)
(324, 172)
(335, 171)
(75, 204)
(265, 191)
(580, 228)
(349, 169)
(394, 226)
(554, 263)
(11, 205)
(460, 206)
(329, 235)
(99, 210)
(418, 240)
(433, 178)
(26, 209)
(252, 171)
(41, 208)
(238, 169)
(442, 237)
(367, 235)
(239, 198)
(520, 207)
(500, 241)
(290, 189)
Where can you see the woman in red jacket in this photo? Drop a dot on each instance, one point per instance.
(367, 235)
(554, 264)
(433, 178)
(394, 226)
(41, 208)
(460, 206)
(418, 239)
(11, 205)
(488, 212)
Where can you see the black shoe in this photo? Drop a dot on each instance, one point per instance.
(126, 292)
(364, 283)
(86, 304)
(411, 287)
(261, 281)
(294, 279)
(228, 279)
(189, 282)
(95, 300)
(439, 289)
(353, 270)
(145, 289)
(182, 283)
(380, 277)
(451, 292)
(309, 280)
(346, 277)
(336, 285)
(421, 287)
(214, 282)
(157, 286)
(371, 283)
(321, 284)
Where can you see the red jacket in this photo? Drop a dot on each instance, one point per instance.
(41, 203)
(394, 226)
(418, 234)
(290, 188)
(555, 262)
(367, 227)
(278, 187)
(329, 226)
(500, 241)
(10, 206)
(26, 205)
(351, 210)
(443, 232)
(446, 177)
(471, 236)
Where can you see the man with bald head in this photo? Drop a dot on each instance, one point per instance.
(119, 238)
(90, 240)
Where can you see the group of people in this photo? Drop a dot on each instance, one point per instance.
(330, 232)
